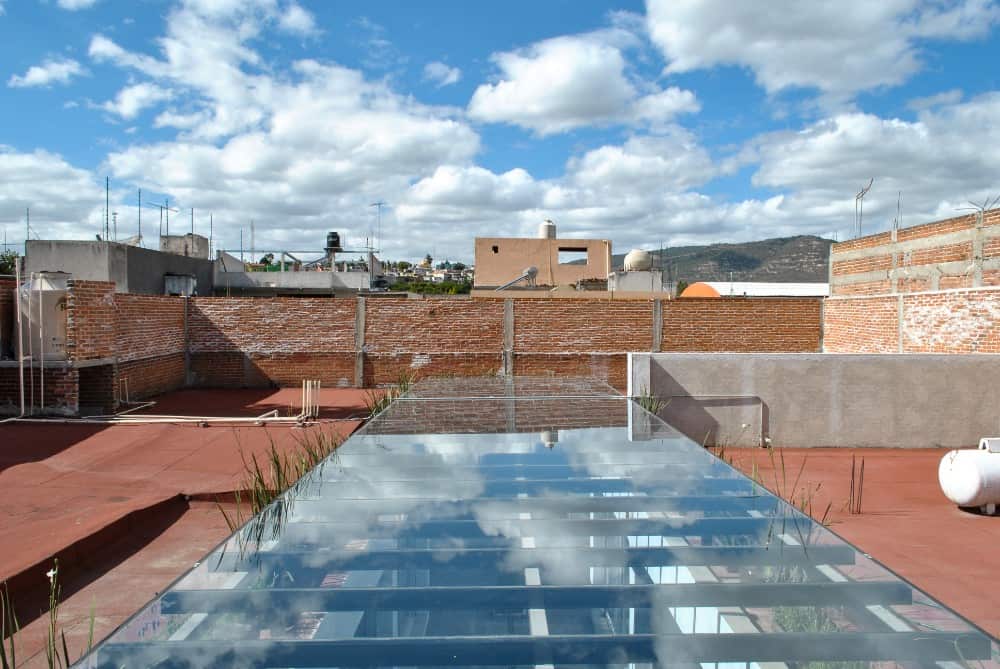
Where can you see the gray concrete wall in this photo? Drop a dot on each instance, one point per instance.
(133, 269)
(146, 268)
(807, 400)
(86, 261)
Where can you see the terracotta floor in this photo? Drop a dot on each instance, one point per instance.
(129, 507)
(905, 522)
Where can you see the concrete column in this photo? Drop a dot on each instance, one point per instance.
(359, 343)
(657, 326)
(894, 275)
(187, 344)
(899, 323)
(508, 337)
(977, 252)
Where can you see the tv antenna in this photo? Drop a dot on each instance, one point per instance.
(378, 223)
(982, 207)
(859, 205)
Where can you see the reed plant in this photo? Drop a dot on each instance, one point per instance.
(56, 648)
(267, 478)
(378, 399)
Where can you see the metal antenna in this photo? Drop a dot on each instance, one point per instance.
(140, 217)
(107, 206)
(378, 214)
(859, 205)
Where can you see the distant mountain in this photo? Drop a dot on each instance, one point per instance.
(783, 259)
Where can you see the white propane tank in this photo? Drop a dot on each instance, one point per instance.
(971, 478)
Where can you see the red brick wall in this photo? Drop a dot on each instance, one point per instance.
(879, 253)
(91, 321)
(148, 326)
(431, 337)
(147, 377)
(742, 325)
(960, 321)
(271, 325)
(612, 368)
(861, 325)
(966, 321)
(7, 330)
(238, 342)
(433, 326)
(60, 390)
(582, 326)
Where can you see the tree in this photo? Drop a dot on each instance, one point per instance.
(681, 285)
(428, 261)
(267, 259)
(7, 261)
(402, 265)
(458, 267)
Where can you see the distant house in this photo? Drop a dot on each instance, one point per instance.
(755, 289)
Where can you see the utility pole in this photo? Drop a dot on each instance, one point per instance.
(192, 221)
(140, 217)
(210, 222)
(107, 207)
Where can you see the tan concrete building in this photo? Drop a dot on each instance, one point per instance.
(500, 260)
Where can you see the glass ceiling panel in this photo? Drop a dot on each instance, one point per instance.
(536, 523)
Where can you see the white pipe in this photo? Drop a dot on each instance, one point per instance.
(20, 333)
(41, 345)
(31, 350)
(20, 339)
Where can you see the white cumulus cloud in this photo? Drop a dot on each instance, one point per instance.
(839, 48)
(569, 82)
(441, 74)
(49, 72)
(73, 5)
(131, 100)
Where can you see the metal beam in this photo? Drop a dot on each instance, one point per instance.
(507, 559)
(744, 595)
(921, 646)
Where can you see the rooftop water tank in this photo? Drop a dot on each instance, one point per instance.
(547, 230)
(43, 315)
(333, 242)
(638, 260)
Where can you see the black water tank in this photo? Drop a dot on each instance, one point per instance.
(333, 241)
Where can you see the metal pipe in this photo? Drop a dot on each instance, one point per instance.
(41, 345)
(31, 350)
(20, 339)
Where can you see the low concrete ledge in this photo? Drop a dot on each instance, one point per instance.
(810, 400)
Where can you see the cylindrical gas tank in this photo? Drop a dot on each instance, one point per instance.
(970, 477)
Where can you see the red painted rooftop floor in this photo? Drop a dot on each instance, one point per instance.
(905, 523)
(128, 508)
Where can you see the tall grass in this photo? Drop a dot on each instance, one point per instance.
(650, 402)
(266, 479)
(56, 648)
(8, 630)
(377, 400)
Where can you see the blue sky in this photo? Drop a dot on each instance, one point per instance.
(662, 122)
